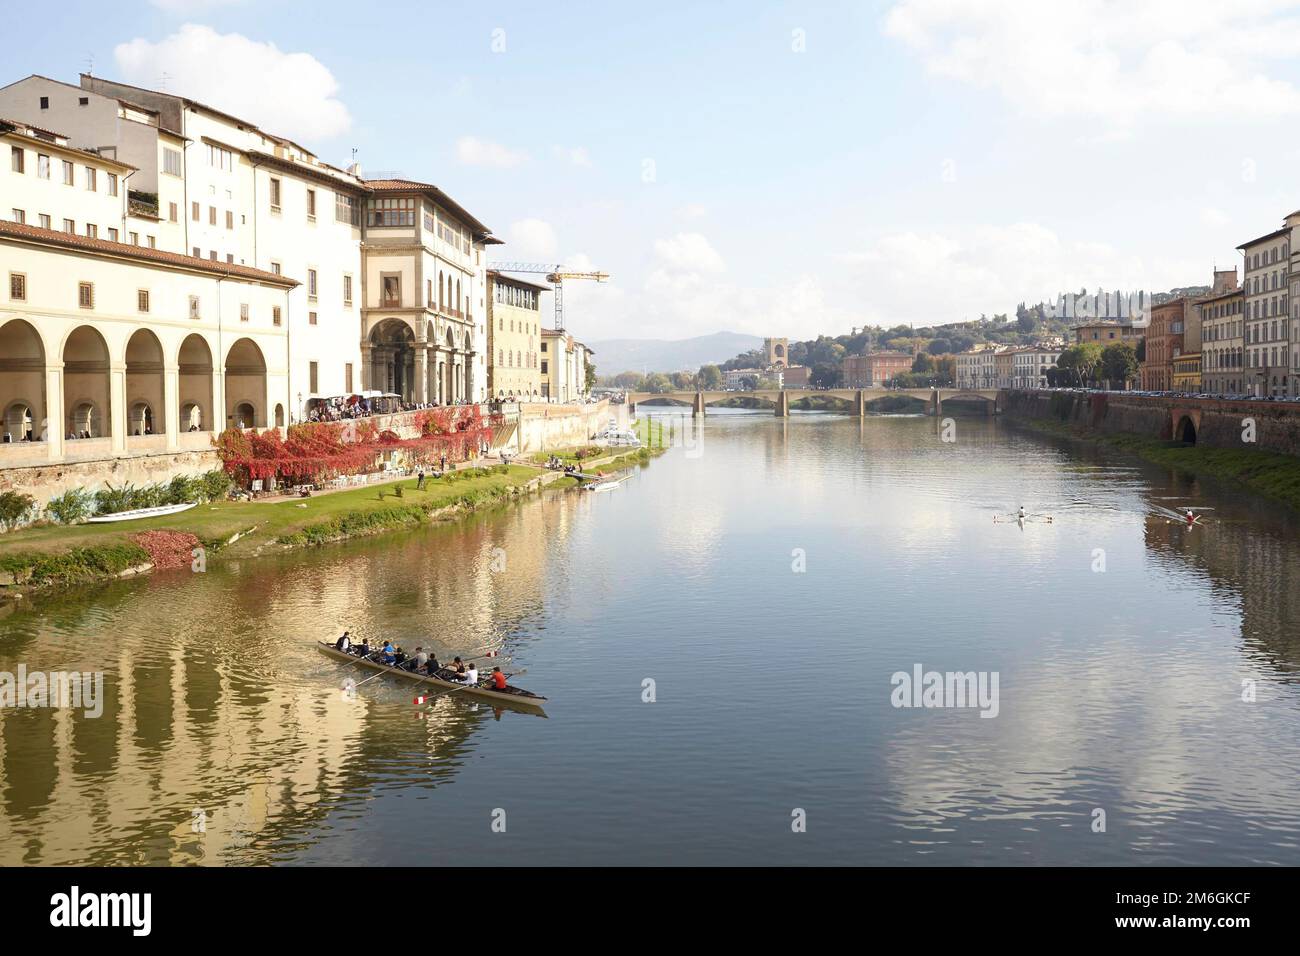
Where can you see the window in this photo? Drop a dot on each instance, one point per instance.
(17, 157)
(243, 312)
(392, 289)
(194, 307)
(135, 238)
(212, 215)
(347, 290)
(91, 179)
(230, 219)
(69, 226)
(390, 212)
(311, 318)
(220, 158)
(67, 173)
(311, 207)
(42, 166)
(18, 286)
(112, 234)
(347, 377)
(275, 315)
(45, 102)
(142, 300)
(171, 212)
(196, 252)
(19, 215)
(112, 184)
(194, 211)
(275, 194)
(153, 241)
(86, 295)
(212, 254)
(83, 100)
(312, 377)
(230, 258)
(92, 230)
(346, 209)
(44, 220)
(275, 267)
(171, 162)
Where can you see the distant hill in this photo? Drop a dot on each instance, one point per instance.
(670, 355)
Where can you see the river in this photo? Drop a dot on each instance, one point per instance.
(769, 577)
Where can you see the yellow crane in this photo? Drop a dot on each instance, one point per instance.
(555, 275)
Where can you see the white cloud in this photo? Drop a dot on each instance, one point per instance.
(530, 239)
(473, 151)
(693, 210)
(577, 155)
(286, 94)
(953, 275)
(1114, 63)
(689, 253)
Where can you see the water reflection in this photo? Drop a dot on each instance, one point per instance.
(1121, 690)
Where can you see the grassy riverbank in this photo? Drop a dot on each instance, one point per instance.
(1267, 473)
(54, 554)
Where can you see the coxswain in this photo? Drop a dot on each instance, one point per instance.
(498, 679)
(344, 643)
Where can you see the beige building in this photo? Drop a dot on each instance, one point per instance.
(1031, 363)
(977, 366)
(1265, 281)
(564, 363)
(424, 317)
(514, 338)
(111, 350)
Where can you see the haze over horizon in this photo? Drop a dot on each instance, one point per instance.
(936, 198)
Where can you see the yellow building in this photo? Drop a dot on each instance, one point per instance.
(514, 322)
(1187, 372)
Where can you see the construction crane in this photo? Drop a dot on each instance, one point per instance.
(555, 275)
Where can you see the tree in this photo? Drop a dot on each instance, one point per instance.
(938, 347)
(657, 383)
(683, 381)
(1081, 363)
(710, 377)
(1119, 363)
(824, 376)
(590, 382)
(749, 383)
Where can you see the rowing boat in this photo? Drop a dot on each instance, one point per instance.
(510, 697)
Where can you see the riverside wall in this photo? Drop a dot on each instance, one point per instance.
(1214, 423)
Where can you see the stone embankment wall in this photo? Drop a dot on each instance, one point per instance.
(1215, 423)
(44, 482)
(545, 427)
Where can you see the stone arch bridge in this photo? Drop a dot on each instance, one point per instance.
(858, 398)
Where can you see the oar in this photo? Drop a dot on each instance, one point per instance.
(421, 700)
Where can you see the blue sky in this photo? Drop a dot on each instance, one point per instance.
(815, 166)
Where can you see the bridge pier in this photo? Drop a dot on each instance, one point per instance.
(697, 406)
(860, 404)
(936, 404)
(782, 404)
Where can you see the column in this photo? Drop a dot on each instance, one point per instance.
(418, 393)
(55, 416)
(172, 405)
(366, 371)
(117, 407)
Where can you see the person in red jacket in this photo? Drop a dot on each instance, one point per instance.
(498, 679)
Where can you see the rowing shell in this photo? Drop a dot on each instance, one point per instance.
(511, 697)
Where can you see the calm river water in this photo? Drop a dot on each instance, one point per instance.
(1118, 690)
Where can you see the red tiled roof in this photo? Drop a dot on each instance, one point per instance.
(410, 185)
(67, 240)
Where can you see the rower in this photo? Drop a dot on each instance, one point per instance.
(387, 653)
(1191, 517)
(365, 647)
(1021, 513)
(471, 676)
(344, 643)
(421, 658)
(498, 679)
(457, 666)
(432, 666)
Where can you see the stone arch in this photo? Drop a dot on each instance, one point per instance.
(245, 385)
(22, 381)
(144, 384)
(279, 415)
(1185, 430)
(86, 390)
(194, 360)
(392, 357)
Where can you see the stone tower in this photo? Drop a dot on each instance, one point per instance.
(777, 352)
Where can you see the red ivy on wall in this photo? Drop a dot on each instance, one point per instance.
(314, 451)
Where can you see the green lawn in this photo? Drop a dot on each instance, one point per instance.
(296, 521)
